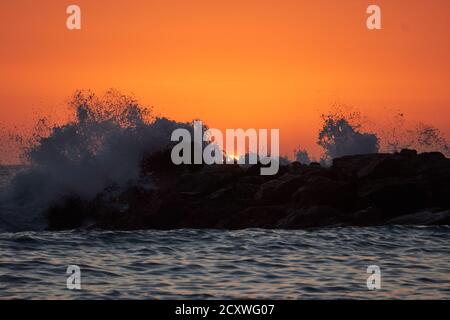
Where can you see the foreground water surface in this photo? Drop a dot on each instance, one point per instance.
(265, 264)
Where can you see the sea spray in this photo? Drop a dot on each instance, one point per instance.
(103, 146)
(101, 149)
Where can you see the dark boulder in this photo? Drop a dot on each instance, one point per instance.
(408, 153)
(366, 217)
(395, 196)
(313, 217)
(320, 190)
(70, 213)
(360, 190)
(254, 217)
(357, 166)
(389, 167)
(279, 191)
(423, 218)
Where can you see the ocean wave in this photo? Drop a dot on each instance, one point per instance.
(102, 147)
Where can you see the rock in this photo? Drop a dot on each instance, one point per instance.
(265, 192)
(319, 190)
(255, 217)
(279, 191)
(432, 156)
(256, 170)
(315, 164)
(377, 166)
(296, 165)
(367, 217)
(361, 190)
(408, 153)
(395, 196)
(221, 194)
(70, 213)
(388, 167)
(209, 178)
(283, 192)
(245, 190)
(357, 166)
(423, 218)
(316, 216)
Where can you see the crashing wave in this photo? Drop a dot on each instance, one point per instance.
(102, 147)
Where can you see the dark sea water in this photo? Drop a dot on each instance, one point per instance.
(211, 264)
(318, 264)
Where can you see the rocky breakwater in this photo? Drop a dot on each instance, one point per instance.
(403, 188)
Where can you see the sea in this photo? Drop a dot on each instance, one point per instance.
(395, 262)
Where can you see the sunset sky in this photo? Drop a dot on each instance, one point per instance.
(234, 63)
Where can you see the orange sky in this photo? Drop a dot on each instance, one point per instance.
(234, 63)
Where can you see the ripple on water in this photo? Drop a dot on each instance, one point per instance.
(209, 264)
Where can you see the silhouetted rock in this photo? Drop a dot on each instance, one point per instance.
(313, 217)
(256, 217)
(370, 216)
(357, 166)
(319, 190)
(70, 213)
(408, 153)
(395, 195)
(360, 190)
(424, 218)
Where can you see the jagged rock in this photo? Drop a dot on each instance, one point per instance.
(319, 190)
(423, 218)
(210, 178)
(245, 190)
(432, 156)
(360, 190)
(265, 192)
(408, 153)
(313, 217)
(396, 196)
(387, 168)
(70, 213)
(367, 217)
(255, 217)
(357, 166)
(280, 190)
